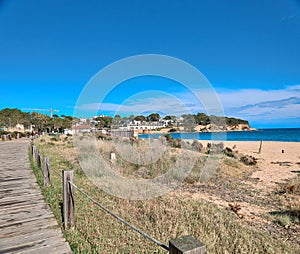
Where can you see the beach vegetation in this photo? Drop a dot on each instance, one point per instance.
(165, 217)
(248, 160)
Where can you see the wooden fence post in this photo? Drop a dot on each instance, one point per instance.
(31, 146)
(186, 245)
(68, 199)
(38, 159)
(46, 171)
(260, 145)
(34, 152)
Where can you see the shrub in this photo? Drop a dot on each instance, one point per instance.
(283, 220)
(248, 160)
(168, 137)
(229, 152)
(197, 146)
(215, 148)
(176, 143)
(4, 132)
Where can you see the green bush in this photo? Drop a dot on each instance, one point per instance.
(168, 137)
(4, 132)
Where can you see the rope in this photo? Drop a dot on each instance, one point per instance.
(55, 172)
(120, 219)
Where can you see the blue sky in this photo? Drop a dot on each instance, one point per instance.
(248, 50)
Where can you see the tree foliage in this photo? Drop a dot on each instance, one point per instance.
(140, 118)
(154, 117)
(11, 117)
(104, 122)
(39, 122)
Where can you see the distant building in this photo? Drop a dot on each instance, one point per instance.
(81, 129)
(143, 126)
(68, 131)
(83, 120)
(18, 128)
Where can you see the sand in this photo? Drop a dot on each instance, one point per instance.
(277, 162)
(272, 167)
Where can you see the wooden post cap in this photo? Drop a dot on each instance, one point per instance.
(186, 245)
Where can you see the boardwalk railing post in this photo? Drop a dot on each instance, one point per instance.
(38, 159)
(68, 199)
(46, 171)
(31, 146)
(186, 245)
(34, 152)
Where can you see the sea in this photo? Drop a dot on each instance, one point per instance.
(283, 135)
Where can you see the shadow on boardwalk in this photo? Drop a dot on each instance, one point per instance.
(26, 223)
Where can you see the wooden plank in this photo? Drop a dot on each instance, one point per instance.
(29, 227)
(27, 224)
(29, 237)
(24, 220)
(18, 200)
(43, 243)
(17, 191)
(20, 195)
(12, 217)
(27, 206)
(12, 204)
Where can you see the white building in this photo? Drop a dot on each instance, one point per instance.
(81, 129)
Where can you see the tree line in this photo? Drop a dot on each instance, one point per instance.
(189, 119)
(9, 118)
(42, 122)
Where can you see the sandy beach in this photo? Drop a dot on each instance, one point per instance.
(277, 162)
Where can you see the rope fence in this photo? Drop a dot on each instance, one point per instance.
(183, 245)
(55, 172)
(120, 219)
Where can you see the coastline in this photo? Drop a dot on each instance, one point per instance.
(276, 135)
(205, 129)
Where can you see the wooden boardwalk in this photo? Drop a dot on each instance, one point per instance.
(27, 224)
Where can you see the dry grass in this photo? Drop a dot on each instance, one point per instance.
(165, 217)
(290, 202)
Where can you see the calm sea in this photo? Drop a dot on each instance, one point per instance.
(286, 135)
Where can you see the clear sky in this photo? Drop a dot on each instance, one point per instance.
(248, 50)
